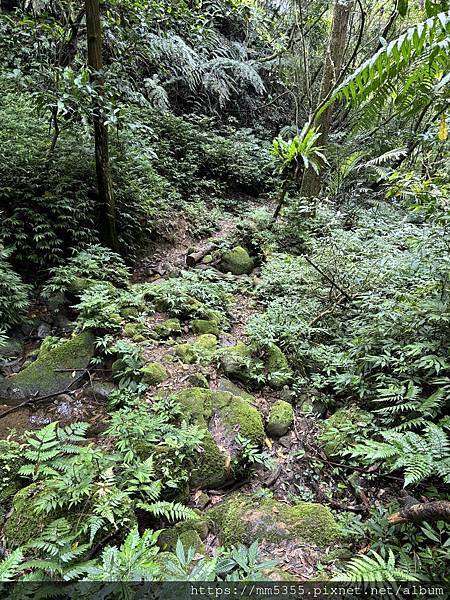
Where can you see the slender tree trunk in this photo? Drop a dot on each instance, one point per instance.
(333, 65)
(104, 181)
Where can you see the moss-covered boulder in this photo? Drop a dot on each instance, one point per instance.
(281, 418)
(10, 347)
(51, 372)
(198, 380)
(235, 362)
(225, 385)
(222, 416)
(134, 331)
(204, 326)
(168, 328)
(168, 539)
(201, 350)
(79, 285)
(153, 374)
(338, 431)
(25, 524)
(278, 371)
(244, 518)
(237, 261)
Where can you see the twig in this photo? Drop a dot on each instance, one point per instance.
(39, 398)
(327, 277)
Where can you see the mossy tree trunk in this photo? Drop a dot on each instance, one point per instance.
(337, 43)
(102, 162)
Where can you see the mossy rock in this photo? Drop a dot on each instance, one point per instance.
(133, 330)
(201, 326)
(197, 405)
(244, 518)
(239, 415)
(46, 375)
(129, 312)
(202, 350)
(117, 367)
(11, 347)
(281, 418)
(278, 371)
(79, 285)
(234, 361)
(168, 539)
(339, 430)
(24, 524)
(223, 416)
(11, 459)
(168, 328)
(153, 374)
(225, 385)
(237, 261)
(199, 380)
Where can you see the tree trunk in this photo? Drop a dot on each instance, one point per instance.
(104, 181)
(333, 65)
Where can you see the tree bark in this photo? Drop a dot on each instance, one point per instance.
(438, 510)
(102, 163)
(337, 43)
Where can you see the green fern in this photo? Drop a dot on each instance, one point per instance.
(172, 511)
(419, 456)
(11, 566)
(373, 568)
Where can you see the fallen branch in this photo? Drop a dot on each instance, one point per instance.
(194, 258)
(36, 399)
(438, 510)
(327, 277)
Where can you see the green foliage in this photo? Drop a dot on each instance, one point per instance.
(365, 569)
(95, 262)
(10, 566)
(13, 293)
(411, 70)
(299, 153)
(133, 561)
(420, 456)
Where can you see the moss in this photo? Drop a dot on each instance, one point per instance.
(234, 362)
(117, 367)
(225, 385)
(207, 342)
(279, 373)
(198, 380)
(211, 470)
(240, 416)
(237, 261)
(153, 374)
(24, 524)
(244, 518)
(129, 311)
(201, 350)
(46, 375)
(133, 330)
(168, 538)
(204, 326)
(281, 418)
(11, 459)
(186, 353)
(197, 404)
(311, 522)
(168, 328)
(338, 431)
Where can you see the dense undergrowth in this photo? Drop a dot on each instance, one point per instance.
(314, 378)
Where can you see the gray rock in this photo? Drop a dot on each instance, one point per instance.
(100, 390)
